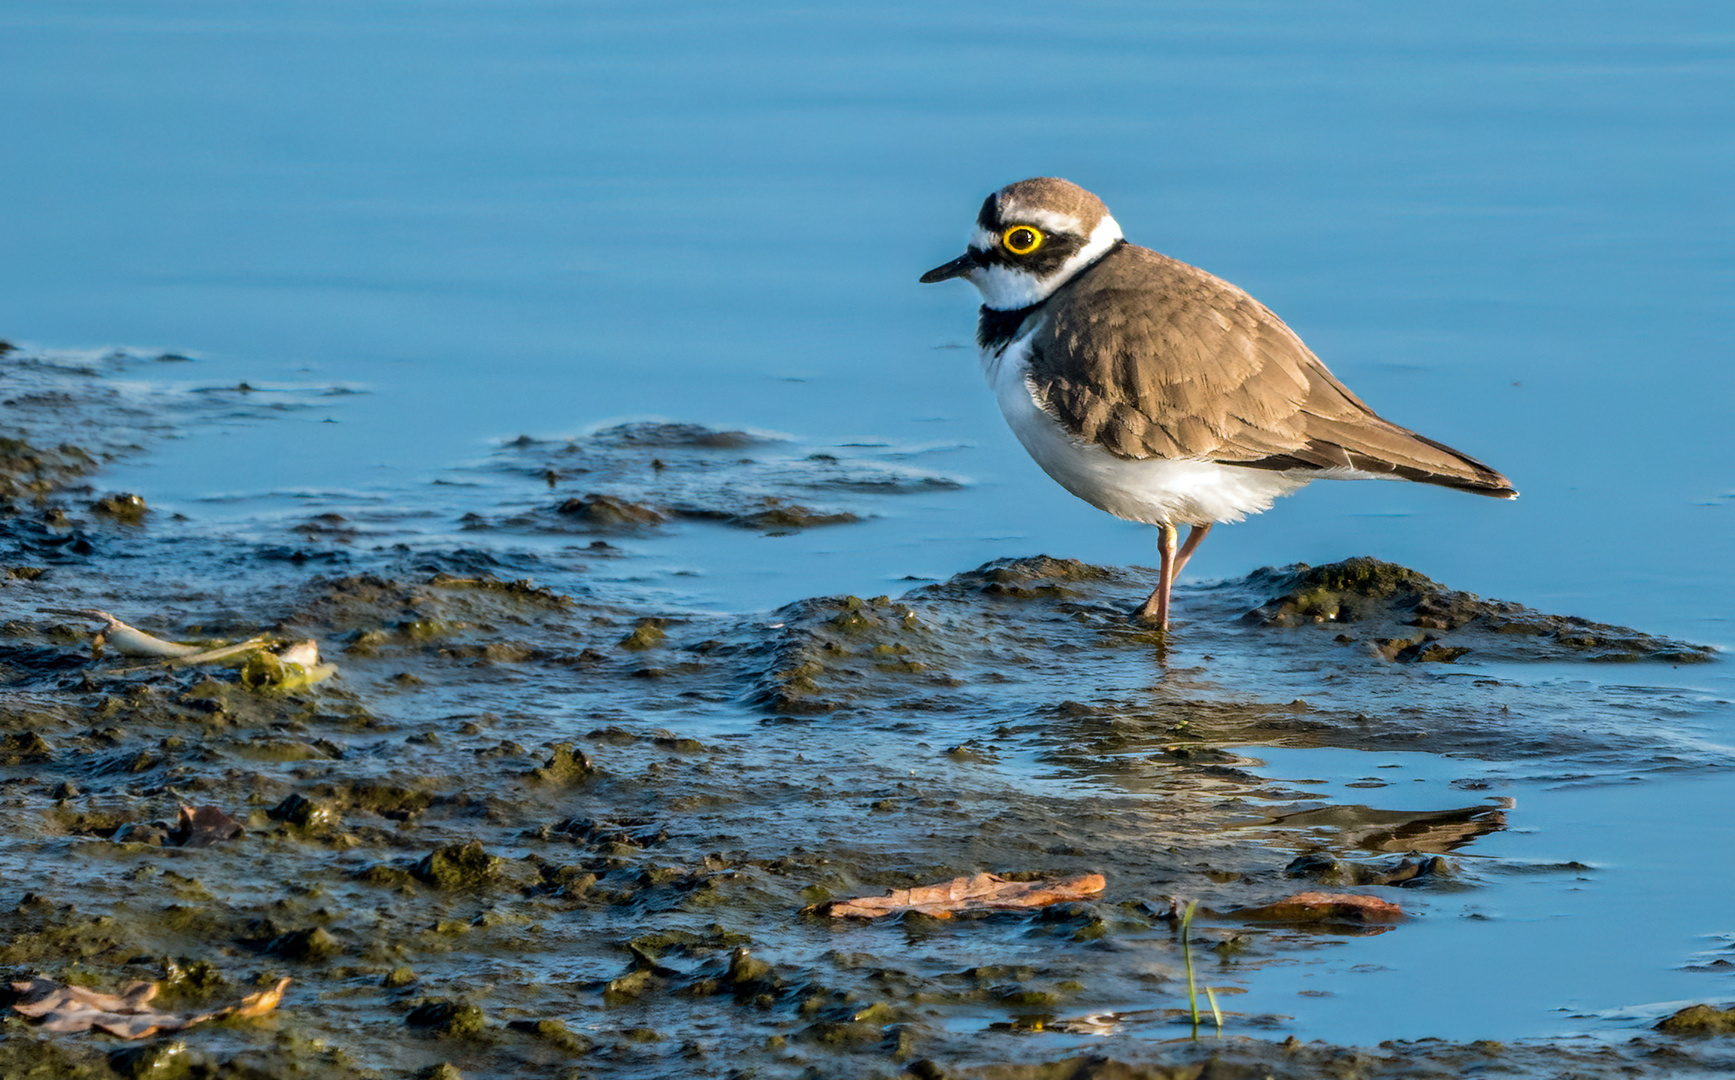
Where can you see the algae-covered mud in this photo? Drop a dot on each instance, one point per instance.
(510, 815)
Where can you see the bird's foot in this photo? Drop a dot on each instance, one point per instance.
(1151, 617)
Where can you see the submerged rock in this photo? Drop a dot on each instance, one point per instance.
(774, 514)
(641, 475)
(610, 510)
(662, 434)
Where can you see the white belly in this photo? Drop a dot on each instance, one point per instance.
(1151, 490)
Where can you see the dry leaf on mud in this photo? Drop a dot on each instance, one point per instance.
(203, 827)
(1309, 907)
(980, 892)
(64, 1009)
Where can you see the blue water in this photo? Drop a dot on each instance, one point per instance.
(1590, 912)
(1504, 225)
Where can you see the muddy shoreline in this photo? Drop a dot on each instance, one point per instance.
(528, 831)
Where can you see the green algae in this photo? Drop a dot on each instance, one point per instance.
(266, 673)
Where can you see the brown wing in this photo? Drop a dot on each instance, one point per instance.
(1150, 357)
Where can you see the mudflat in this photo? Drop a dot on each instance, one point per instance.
(488, 827)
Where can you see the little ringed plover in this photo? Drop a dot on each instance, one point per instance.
(1158, 392)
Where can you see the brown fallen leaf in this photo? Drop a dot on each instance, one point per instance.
(1325, 907)
(979, 892)
(65, 1009)
(78, 1008)
(203, 827)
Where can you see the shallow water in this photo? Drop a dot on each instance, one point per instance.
(1575, 890)
(417, 232)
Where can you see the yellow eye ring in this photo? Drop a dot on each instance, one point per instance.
(1021, 239)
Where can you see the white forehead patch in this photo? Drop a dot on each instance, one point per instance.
(1006, 289)
(1047, 220)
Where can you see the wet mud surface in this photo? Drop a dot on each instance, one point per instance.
(525, 829)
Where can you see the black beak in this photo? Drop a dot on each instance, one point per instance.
(963, 264)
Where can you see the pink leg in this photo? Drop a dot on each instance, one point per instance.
(1194, 536)
(1156, 606)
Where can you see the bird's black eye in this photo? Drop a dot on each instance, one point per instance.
(1021, 239)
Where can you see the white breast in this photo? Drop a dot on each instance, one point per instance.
(1151, 490)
